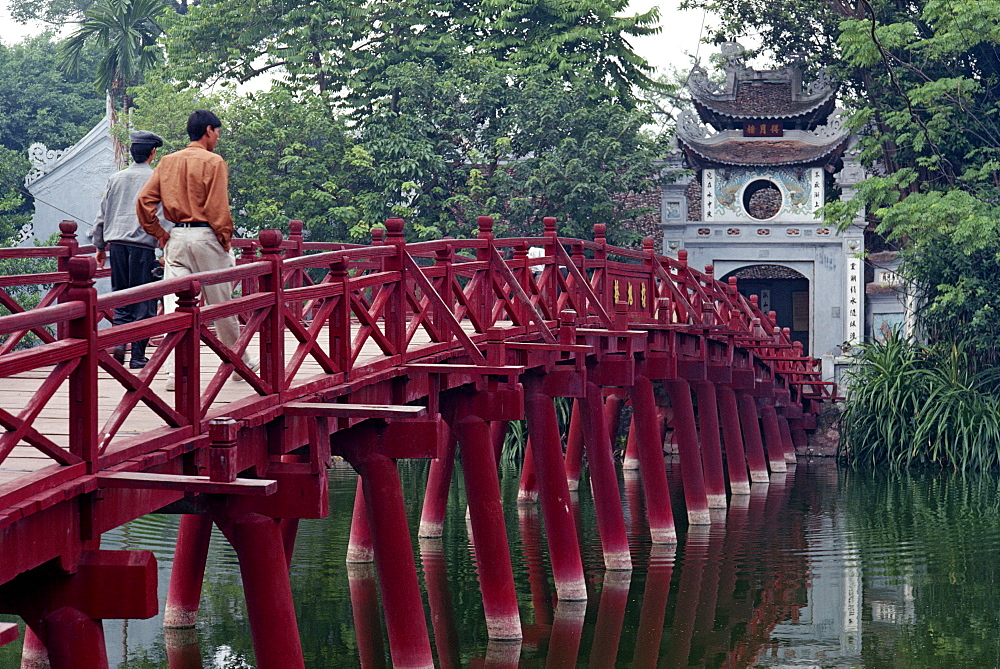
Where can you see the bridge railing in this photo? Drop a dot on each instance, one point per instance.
(351, 311)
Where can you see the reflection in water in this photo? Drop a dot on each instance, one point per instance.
(820, 568)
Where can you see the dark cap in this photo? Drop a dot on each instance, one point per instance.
(145, 137)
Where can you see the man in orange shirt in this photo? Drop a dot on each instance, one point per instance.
(193, 187)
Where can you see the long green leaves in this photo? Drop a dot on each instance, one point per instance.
(912, 405)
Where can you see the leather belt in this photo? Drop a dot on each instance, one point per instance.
(193, 224)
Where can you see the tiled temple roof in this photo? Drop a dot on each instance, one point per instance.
(762, 152)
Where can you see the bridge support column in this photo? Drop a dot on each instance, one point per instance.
(604, 481)
(182, 647)
(188, 572)
(574, 448)
(630, 459)
(498, 434)
(482, 485)
(34, 655)
(612, 417)
(695, 495)
(263, 568)
(553, 493)
(436, 492)
(409, 644)
(711, 444)
(64, 604)
(74, 640)
(772, 439)
(651, 465)
(786, 439)
(739, 483)
(527, 491)
(751, 438)
(359, 545)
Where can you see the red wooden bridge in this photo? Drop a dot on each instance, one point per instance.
(373, 354)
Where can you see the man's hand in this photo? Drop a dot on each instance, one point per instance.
(164, 239)
(100, 256)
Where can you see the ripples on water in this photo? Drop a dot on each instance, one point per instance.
(823, 568)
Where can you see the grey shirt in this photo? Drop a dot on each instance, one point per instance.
(117, 220)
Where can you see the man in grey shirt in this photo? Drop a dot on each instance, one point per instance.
(117, 233)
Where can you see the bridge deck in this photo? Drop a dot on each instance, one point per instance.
(52, 421)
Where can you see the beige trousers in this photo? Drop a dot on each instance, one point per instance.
(191, 250)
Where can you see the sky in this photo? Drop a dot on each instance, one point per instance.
(672, 47)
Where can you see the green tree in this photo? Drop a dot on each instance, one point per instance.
(346, 49)
(922, 81)
(62, 12)
(288, 156)
(125, 32)
(38, 102)
(455, 110)
(477, 139)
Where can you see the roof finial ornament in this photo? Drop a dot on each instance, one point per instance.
(733, 56)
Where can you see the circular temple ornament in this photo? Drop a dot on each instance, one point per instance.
(762, 199)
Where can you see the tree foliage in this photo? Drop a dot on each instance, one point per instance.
(125, 32)
(922, 82)
(38, 103)
(436, 112)
(346, 49)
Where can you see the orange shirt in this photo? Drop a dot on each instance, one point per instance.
(193, 185)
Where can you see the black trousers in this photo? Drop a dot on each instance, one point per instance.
(132, 266)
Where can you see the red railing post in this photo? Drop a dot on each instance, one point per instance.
(248, 254)
(395, 310)
(444, 259)
(485, 297)
(647, 301)
(294, 250)
(340, 317)
(524, 276)
(681, 275)
(551, 290)
(601, 285)
(68, 241)
(187, 358)
(83, 394)
(272, 330)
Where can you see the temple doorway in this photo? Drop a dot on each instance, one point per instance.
(779, 289)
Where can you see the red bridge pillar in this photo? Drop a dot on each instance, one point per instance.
(772, 439)
(695, 495)
(260, 548)
(404, 612)
(604, 481)
(711, 445)
(574, 447)
(482, 485)
(739, 483)
(359, 545)
(436, 492)
(65, 611)
(751, 438)
(553, 492)
(188, 572)
(651, 465)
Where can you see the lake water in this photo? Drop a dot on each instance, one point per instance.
(822, 568)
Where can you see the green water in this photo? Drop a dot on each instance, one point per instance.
(822, 568)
